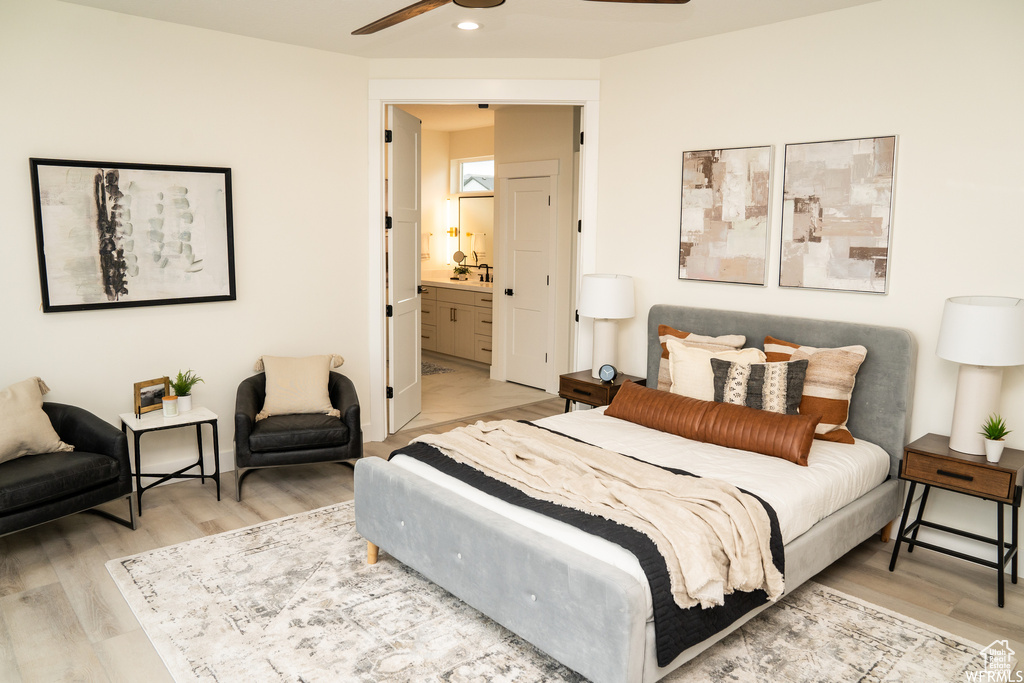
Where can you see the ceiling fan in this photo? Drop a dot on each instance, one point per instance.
(422, 6)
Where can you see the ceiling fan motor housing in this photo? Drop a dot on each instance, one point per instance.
(478, 4)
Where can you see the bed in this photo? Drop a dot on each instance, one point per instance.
(594, 616)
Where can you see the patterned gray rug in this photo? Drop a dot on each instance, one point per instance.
(294, 600)
(428, 368)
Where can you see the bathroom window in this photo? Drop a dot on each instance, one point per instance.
(473, 175)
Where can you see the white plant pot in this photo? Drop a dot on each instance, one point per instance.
(994, 449)
(185, 403)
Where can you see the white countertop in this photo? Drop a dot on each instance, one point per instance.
(472, 285)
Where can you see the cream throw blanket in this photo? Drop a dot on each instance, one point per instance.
(715, 538)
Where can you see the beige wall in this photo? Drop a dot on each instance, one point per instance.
(80, 83)
(541, 133)
(943, 76)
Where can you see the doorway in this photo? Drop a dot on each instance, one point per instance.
(382, 92)
(493, 327)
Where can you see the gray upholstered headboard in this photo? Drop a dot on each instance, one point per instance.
(882, 397)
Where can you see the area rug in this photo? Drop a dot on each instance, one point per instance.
(293, 600)
(428, 368)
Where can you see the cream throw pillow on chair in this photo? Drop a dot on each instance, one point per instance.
(25, 429)
(297, 385)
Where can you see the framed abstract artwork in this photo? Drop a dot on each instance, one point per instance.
(837, 215)
(116, 235)
(723, 225)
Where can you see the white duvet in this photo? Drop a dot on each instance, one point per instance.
(836, 475)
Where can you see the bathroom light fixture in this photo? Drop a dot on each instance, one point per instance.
(467, 25)
(984, 334)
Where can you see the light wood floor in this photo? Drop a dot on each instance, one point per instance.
(63, 619)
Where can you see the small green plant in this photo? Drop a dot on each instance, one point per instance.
(994, 428)
(183, 383)
(461, 270)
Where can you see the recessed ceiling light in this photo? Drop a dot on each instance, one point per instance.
(467, 25)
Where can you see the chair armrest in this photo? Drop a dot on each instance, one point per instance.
(343, 397)
(248, 402)
(90, 434)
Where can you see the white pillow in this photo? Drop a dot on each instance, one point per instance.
(25, 429)
(297, 385)
(691, 372)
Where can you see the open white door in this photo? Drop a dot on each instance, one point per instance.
(403, 270)
(530, 218)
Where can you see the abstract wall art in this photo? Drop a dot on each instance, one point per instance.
(837, 214)
(117, 235)
(723, 227)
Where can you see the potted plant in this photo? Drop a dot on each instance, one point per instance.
(462, 272)
(994, 430)
(182, 385)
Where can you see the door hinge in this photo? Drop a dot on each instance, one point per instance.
(391, 392)
(549, 280)
(545, 358)
(579, 226)
(387, 136)
(581, 137)
(577, 315)
(389, 311)
(549, 200)
(387, 222)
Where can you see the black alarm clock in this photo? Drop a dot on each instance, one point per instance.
(607, 372)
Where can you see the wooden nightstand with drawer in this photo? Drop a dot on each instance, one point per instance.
(930, 461)
(582, 387)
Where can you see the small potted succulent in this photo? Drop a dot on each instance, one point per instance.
(994, 430)
(182, 385)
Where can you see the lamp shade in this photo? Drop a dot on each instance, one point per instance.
(607, 296)
(982, 330)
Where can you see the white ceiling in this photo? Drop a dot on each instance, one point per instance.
(451, 117)
(519, 28)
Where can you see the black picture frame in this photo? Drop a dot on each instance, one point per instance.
(120, 235)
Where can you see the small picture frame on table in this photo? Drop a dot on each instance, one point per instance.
(149, 394)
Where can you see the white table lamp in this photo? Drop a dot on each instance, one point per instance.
(606, 298)
(984, 334)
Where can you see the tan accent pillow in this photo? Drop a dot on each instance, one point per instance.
(690, 367)
(25, 429)
(723, 343)
(297, 385)
(781, 436)
(828, 384)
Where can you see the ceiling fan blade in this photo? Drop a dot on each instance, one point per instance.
(401, 15)
(648, 2)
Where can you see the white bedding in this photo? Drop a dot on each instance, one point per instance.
(836, 475)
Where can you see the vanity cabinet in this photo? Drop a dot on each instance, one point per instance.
(457, 322)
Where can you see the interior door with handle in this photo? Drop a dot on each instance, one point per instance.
(403, 253)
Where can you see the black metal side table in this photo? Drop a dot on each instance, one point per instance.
(155, 422)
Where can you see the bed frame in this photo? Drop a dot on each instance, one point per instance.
(591, 616)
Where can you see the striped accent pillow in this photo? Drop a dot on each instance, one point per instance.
(723, 343)
(828, 385)
(775, 387)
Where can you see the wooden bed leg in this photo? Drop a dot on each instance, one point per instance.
(886, 532)
(371, 553)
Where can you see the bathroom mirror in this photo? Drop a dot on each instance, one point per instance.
(476, 229)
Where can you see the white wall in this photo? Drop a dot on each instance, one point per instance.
(290, 122)
(942, 75)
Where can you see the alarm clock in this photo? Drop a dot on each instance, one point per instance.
(607, 372)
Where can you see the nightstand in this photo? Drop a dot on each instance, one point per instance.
(931, 462)
(583, 387)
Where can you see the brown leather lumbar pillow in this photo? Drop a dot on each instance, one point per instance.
(781, 436)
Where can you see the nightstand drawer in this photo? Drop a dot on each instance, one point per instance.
(592, 393)
(967, 477)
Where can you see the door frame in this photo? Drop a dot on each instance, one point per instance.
(382, 92)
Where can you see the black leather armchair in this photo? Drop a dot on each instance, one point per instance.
(294, 439)
(40, 488)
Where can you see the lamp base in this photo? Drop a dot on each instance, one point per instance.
(605, 341)
(977, 397)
